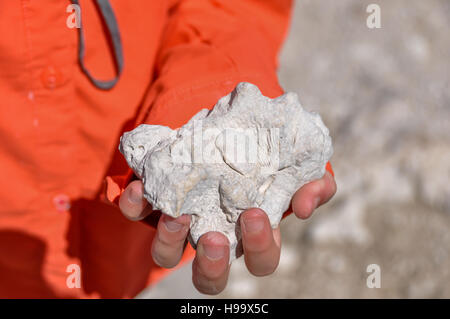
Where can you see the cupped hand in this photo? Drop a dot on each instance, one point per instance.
(261, 243)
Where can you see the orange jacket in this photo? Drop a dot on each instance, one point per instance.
(59, 133)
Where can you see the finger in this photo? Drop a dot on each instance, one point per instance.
(132, 202)
(169, 240)
(261, 250)
(211, 264)
(312, 195)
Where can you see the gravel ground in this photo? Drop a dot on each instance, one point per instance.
(384, 94)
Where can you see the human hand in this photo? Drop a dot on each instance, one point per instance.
(261, 243)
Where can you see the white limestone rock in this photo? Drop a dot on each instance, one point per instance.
(248, 151)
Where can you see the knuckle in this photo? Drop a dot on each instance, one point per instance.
(165, 256)
(168, 261)
(173, 240)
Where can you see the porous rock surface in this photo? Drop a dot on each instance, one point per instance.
(248, 151)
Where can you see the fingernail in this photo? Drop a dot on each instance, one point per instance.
(171, 225)
(216, 248)
(134, 197)
(253, 224)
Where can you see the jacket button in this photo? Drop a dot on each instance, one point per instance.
(61, 202)
(51, 77)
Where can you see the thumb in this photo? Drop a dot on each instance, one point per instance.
(132, 202)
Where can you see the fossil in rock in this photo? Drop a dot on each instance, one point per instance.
(248, 151)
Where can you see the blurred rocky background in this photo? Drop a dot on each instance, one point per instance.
(385, 96)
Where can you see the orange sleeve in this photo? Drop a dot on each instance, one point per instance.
(208, 47)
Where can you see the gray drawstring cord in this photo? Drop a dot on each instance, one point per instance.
(114, 34)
